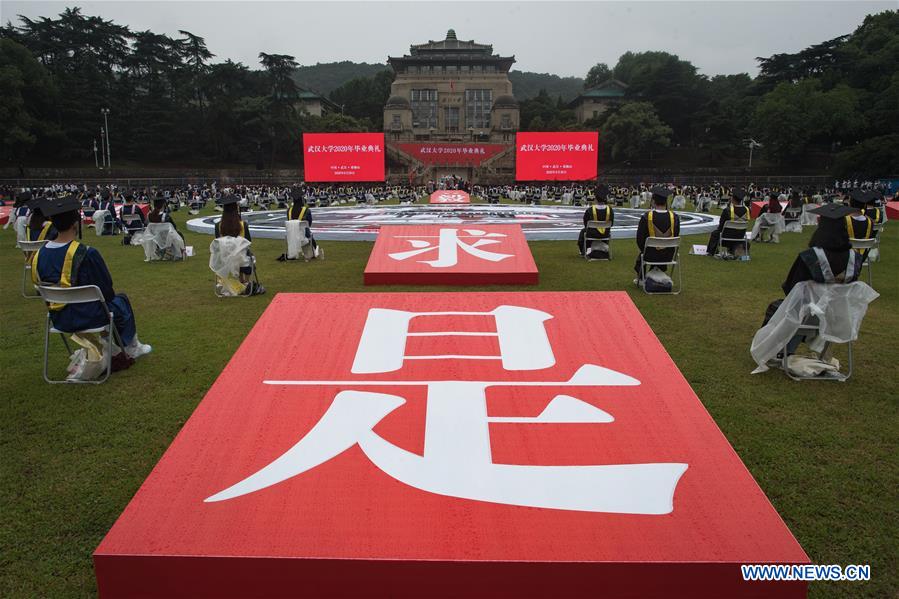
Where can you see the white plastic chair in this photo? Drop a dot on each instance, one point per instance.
(85, 294)
(29, 248)
(596, 225)
(662, 243)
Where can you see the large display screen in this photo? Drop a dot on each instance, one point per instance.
(556, 156)
(330, 157)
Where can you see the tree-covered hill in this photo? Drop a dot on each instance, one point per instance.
(325, 77)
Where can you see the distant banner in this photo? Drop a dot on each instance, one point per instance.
(556, 156)
(343, 157)
(451, 154)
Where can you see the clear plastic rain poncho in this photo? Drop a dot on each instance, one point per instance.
(840, 309)
(227, 255)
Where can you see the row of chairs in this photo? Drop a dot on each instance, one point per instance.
(657, 243)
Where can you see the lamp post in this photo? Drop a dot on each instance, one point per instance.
(105, 113)
(751, 144)
(102, 147)
(96, 164)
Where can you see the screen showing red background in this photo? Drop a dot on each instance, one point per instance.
(343, 156)
(556, 156)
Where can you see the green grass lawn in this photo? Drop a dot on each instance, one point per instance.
(73, 456)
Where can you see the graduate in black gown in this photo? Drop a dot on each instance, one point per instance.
(828, 259)
(598, 211)
(108, 226)
(656, 222)
(300, 211)
(873, 208)
(160, 214)
(129, 209)
(39, 227)
(65, 262)
(735, 211)
(232, 225)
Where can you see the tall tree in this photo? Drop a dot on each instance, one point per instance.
(597, 74)
(634, 131)
(25, 102)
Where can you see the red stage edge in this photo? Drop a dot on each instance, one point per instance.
(892, 209)
(226, 577)
(454, 279)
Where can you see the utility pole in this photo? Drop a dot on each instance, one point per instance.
(105, 112)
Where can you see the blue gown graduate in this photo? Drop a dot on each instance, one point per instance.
(70, 263)
(74, 264)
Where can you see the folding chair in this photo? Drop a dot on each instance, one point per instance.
(29, 248)
(85, 294)
(865, 245)
(596, 225)
(734, 231)
(128, 221)
(809, 328)
(792, 215)
(662, 243)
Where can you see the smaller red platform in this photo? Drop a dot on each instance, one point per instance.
(756, 208)
(893, 210)
(4, 214)
(451, 255)
(450, 196)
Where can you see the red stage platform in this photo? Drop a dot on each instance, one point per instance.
(448, 445)
(451, 255)
(449, 196)
(893, 210)
(5, 211)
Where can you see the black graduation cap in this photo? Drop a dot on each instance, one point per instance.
(602, 191)
(105, 194)
(229, 198)
(662, 192)
(129, 195)
(833, 211)
(857, 195)
(25, 196)
(61, 205)
(740, 194)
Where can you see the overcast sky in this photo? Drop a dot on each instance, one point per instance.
(565, 38)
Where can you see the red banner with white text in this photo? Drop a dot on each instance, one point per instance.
(467, 154)
(331, 157)
(556, 156)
